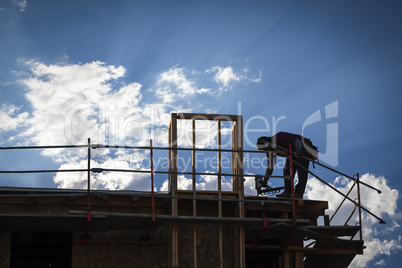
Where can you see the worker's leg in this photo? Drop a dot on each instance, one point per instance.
(303, 174)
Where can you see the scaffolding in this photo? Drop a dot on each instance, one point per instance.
(257, 221)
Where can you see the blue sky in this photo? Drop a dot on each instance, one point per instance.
(78, 67)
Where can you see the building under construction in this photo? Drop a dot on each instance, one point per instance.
(178, 228)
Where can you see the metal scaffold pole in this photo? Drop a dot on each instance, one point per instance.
(89, 181)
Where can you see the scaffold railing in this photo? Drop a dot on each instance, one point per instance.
(152, 172)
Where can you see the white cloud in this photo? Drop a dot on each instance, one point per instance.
(105, 180)
(178, 83)
(206, 134)
(381, 263)
(176, 76)
(206, 182)
(175, 84)
(73, 102)
(22, 4)
(225, 75)
(249, 186)
(210, 182)
(375, 248)
(383, 205)
(183, 183)
(10, 118)
(67, 98)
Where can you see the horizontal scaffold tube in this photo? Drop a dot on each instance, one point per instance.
(43, 171)
(99, 170)
(99, 146)
(43, 147)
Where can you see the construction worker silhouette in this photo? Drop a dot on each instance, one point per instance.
(272, 147)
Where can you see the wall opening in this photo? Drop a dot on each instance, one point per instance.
(39, 249)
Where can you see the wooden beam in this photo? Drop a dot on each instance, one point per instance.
(208, 194)
(192, 219)
(195, 116)
(336, 251)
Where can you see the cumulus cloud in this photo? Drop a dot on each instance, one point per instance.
(376, 236)
(105, 180)
(206, 134)
(249, 186)
(179, 83)
(175, 84)
(210, 182)
(206, 182)
(176, 76)
(73, 102)
(225, 75)
(10, 118)
(380, 262)
(377, 247)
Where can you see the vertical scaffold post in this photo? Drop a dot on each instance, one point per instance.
(219, 143)
(89, 181)
(152, 180)
(174, 247)
(292, 183)
(360, 208)
(194, 187)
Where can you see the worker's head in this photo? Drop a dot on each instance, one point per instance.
(263, 143)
